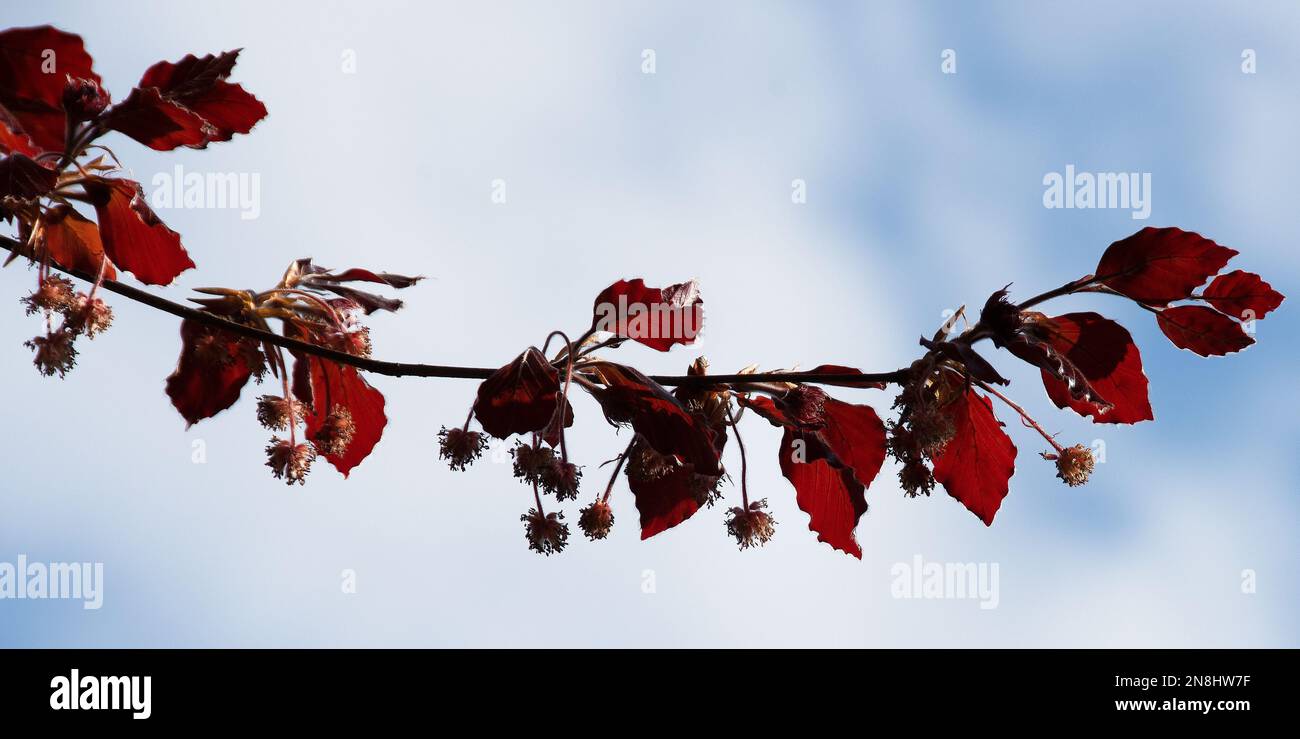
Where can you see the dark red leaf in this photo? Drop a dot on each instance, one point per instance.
(364, 275)
(1203, 330)
(658, 318)
(34, 66)
(24, 178)
(72, 241)
(1158, 266)
(630, 397)
(830, 467)
(188, 103)
(336, 385)
(663, 502)
(976, 465)
(520, 397)
(976, 366)
(148, 117)
(134, 238)
(1088, 348)
(12, 138)
(1243, 295)
(212, 369)
(833, 499)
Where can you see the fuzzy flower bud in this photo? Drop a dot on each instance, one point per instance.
(915, 478)
(336, 432)
(561, 479)
(275, 412)
(1074, 464)
(54, 294)
(531, 463)
(460, 447)
(546, 534)
(83, 99)
(55, 353)
(753, 527)
(596, 520)
(289, 461)
(89, 316)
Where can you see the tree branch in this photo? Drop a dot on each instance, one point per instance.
(409, 369)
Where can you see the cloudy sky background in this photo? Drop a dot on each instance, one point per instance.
(924, 193)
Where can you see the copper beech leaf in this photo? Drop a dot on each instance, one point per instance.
(72, 241)
(627, 396)
(24, 178)
(332, 385)
(212, 369)
(35, 64)
(656, 317)
(1158, 266)
(133, 236)
(520, 397)
(187, 103)
(1202, 330)
(1100, 353)
(976, 465)
(1243, 295)
(830, 466)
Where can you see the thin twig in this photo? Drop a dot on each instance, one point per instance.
(411, 369)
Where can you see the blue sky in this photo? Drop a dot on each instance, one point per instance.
(924, 193)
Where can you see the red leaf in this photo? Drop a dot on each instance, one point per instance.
(1103, 353)
(72, 241)
(658, 318)
(833, 499)
(188, 103)
(336, 385)
(24, 178)
(630, 397)
(832, 466)
(34, 66)
(153, 120)
(520, 397)
(663, 502)
(134, 238)
(1243, 295)
(979, 460)
(1158, 266)
(212, 369)
(12, 138)
(1203, 330)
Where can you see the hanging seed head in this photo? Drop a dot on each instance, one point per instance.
(1074, 464)
(275, 412)
(289, 461)
(55, 353)
(89, 316)
(753, 527)
(531, 463)
(931, 428)
(915, 478)
(561, 479)
(336, 432)
(547, 534)
(54, 294)
(596, 520)
(460, 447)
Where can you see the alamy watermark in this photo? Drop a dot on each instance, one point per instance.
(1115, 190)
(946, 580)
(23, 580)
(240, 191)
